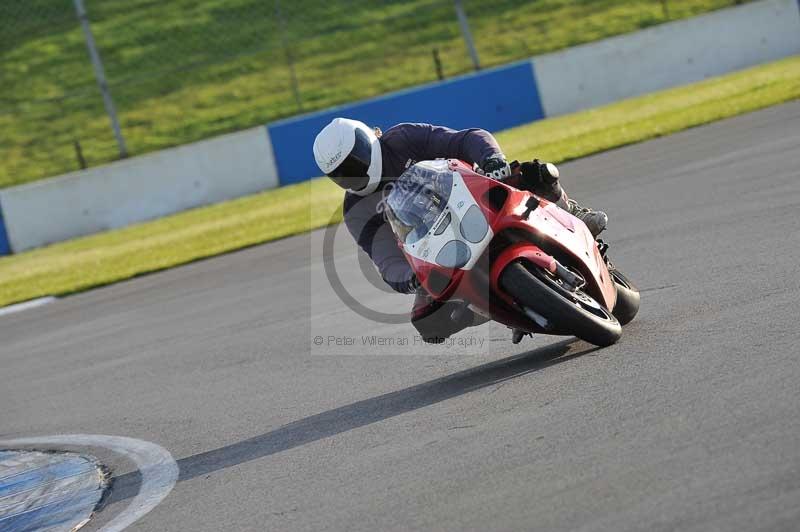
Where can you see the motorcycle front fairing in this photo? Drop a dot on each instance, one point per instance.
(556, 233)
(440, 226)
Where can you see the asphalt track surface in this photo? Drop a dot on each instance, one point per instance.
(690, 422)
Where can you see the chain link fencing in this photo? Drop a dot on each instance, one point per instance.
(185, 70)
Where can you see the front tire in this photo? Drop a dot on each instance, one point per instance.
(572, 311)
(627, 305)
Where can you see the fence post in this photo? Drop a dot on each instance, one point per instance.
(437, 63)
(100, 75)
(464, 23)
(289, 56)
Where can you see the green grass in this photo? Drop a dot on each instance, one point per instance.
(109, 257)
(183, 70)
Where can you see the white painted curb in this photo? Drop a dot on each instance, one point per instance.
(26, 305)
(158, 469)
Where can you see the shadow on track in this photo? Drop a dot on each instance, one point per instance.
(359, 414)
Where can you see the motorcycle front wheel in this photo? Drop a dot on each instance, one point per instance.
(572, 311)
(628, 299)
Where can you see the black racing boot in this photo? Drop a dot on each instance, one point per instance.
(436, 321)
(596, 221)
(543, 179)
(517, 335)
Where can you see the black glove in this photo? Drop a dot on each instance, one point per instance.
(496, 167)
(536, 173)
(406, 286)
(410, 286)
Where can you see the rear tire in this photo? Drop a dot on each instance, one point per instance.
(627, 305)
(573, 312)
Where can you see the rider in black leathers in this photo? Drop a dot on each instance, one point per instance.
(362, 160)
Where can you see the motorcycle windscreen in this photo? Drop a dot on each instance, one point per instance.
(417, 199)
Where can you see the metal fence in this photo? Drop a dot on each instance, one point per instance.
(84, 82)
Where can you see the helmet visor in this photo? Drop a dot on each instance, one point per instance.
(352, 173)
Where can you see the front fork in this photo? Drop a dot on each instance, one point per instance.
(572, 280)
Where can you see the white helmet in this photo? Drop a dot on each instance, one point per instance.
(349, 153)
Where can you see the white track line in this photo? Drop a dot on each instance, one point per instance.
(156, 465)
(26, 305)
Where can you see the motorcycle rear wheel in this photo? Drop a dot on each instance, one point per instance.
(572, 311)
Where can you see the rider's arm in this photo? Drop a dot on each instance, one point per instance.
(375, 237)
(392, 264)
(475, 146)
(422, 142)
(470, 145)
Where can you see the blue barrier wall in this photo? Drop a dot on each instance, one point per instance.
(5, 249)
(493, 100)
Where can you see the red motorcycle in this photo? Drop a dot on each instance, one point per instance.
(507, 254)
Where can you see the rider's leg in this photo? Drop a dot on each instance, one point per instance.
(595, 221)
(550, 189)
(436, 321)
